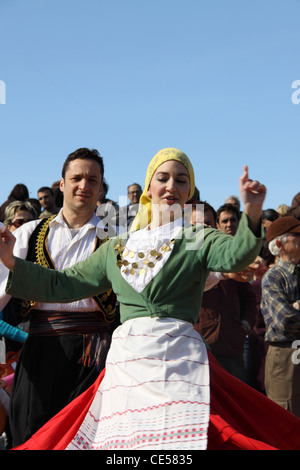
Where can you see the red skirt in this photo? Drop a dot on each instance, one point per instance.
(240, 419)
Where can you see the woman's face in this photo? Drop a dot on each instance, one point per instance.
(170, 184)
(21, 217)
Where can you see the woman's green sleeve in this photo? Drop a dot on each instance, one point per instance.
(83, 280)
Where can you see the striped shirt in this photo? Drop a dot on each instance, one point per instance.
(279, 291)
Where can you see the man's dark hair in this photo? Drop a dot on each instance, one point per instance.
(83, 154)
(43, 189)
(228, 208)
(206, 207)
(135, 184)
(269, 214)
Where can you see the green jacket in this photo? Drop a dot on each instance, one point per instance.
(176, 291)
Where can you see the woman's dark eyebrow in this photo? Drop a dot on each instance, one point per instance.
(166, 173)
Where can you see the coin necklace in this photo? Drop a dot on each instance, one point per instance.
(145, 260)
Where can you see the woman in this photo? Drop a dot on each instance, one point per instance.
(18, 213)
(161, 389)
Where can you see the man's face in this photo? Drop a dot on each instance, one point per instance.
(228, 222)
(290, 249)
(134, 194)
(266, 223)
(200, 217)
(233, 202)
(46, 199)
(82, 185)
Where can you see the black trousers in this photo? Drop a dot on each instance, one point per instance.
(48, 376)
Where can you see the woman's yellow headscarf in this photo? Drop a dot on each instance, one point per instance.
(143, 217)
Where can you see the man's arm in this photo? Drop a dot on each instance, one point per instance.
(276, 308)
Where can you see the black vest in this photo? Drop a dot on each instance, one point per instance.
(38, 253)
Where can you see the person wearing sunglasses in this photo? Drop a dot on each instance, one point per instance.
(18, 213)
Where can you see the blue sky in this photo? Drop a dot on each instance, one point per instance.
(210, 77)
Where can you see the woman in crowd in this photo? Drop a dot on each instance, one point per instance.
(18, 213)
(161, 388)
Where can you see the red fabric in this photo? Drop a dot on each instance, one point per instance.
(60, 430)
(241, 418)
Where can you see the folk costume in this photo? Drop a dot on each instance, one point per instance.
(67, 344)
(160, 389)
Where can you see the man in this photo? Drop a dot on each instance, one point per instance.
(134, 192)
(67, 343)
(234, 201)
(107, 209)
(47, 201)
(228, 309)
(203, 213)
(228, 217)
(128, 213)
(280, 308)
(268, 216)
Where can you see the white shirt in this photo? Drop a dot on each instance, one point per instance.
(144, 241)
(66, 247)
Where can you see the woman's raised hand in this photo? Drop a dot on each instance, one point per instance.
(253, 194)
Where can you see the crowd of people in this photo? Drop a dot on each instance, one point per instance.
(237, 302)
